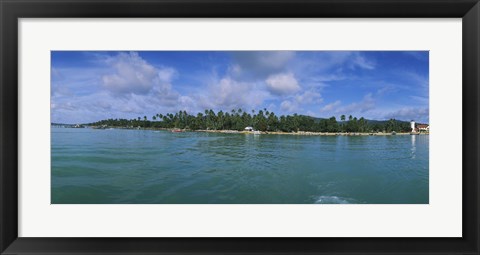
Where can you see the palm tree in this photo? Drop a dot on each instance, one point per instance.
(362, 124)
(199, 121)
(342, 117)
(220, 118)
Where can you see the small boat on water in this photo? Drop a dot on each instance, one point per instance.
(256, 132)
(177, 130)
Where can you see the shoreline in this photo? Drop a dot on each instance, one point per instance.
(301, 133)
(306, 133)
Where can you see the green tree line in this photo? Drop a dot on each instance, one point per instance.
(262, 120)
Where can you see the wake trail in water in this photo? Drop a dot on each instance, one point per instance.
(334, 200)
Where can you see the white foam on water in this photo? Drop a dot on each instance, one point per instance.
(334, 200)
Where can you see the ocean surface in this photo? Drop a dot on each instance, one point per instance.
(115, 166)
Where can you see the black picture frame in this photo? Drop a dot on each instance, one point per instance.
(12, 10)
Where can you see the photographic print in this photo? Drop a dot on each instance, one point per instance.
(239, 127)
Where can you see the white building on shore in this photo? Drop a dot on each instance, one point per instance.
(423, 127)
(419, 127)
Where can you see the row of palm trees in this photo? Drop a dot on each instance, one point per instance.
(263, 120)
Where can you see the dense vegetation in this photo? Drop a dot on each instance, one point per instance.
(263, 120)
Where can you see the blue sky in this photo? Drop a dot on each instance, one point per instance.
(88, 86)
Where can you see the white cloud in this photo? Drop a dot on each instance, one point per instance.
(76, 81)
(227, 93)
(254, 65)
(331, 107)
(166, 75)
(409, 113)
(133, 75)
(129, 87)
(310, 113)
(104, 105)
(367, 103)
(417, 79)
(230, 92)
(60, 90)
(359, 60)
(333, 61)
(274, 59)
(282, 84)
(272, 107)
(65, 106)
(288, 106)
(56, 74)
(420, 100)
(386, 89)
(309, 97)
(297, 102)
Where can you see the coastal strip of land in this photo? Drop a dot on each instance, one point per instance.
(264, 122)
(261, 122)
(301, 133)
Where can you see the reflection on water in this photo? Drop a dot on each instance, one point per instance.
(140, 166)
(413, 145)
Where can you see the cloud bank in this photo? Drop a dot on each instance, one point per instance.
(96, 85)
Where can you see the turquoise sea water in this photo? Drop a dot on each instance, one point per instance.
(160, 167)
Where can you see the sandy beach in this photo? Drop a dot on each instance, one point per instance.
(308, 133)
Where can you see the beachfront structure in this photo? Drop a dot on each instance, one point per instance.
(423, 127)
(249, 129)
(419, 127)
